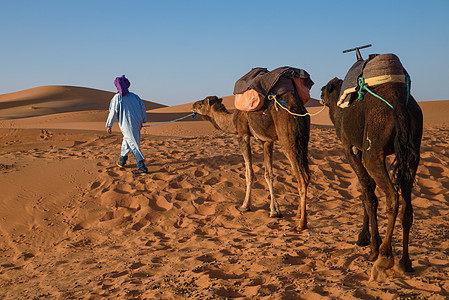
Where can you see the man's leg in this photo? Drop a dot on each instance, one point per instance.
(124, 154)
(133, 144)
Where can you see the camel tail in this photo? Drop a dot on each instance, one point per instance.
(407, 156)
(302, 133)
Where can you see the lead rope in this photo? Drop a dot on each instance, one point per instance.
(192, 114)
(283, 105)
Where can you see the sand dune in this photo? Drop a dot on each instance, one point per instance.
(46, 100)
(74, 225)
(65, 107)
(435, 112)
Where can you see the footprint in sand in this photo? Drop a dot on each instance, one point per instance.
(161, 203)
(174, 184)
(113, 198)
(45, 134)
(212, 181)
(200, 173)
(95, 185)
(112, 174)
(140, 224)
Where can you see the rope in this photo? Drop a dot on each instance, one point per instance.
(407, 78)
(283, 105)
(361, 93)
(192, 114)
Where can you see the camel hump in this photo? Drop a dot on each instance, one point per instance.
(383, 64)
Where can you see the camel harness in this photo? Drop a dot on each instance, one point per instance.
(363, 86)
(282, 104)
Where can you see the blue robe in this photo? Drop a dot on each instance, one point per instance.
(130, 113)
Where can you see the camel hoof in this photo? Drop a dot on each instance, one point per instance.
(301, 228)
(373, 256)
(362, 243)
(382, 264)
(244, 209)
(405, 266)
(363, 240)
(276, 214)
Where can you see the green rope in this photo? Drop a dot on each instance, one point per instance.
(363, 87)
(407, 79)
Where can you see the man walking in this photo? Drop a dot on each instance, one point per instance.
(130, 112)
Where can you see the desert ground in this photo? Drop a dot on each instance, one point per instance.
(73, 225)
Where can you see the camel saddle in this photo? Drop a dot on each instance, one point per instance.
(376, 70)
(253, 88)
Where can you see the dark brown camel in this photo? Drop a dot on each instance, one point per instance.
(267, 125)
(370, 131)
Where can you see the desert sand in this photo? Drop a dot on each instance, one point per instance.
(75, 226)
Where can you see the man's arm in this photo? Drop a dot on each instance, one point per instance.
(112, 114)
(144, 111)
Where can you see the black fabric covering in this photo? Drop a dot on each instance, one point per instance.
(351, 78)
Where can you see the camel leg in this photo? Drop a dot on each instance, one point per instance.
(275, 211)
(302, 188)
(293, 137)
(302, 192)
(405, 264)
(364, 237)
(370, 204)
(375, 166)
(302, 214)
(302, 182)
(245, 147)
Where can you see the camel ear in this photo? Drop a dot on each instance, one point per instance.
(213, 99)
(333, 84)
(210, 100)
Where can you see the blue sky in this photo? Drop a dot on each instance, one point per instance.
(176, 52)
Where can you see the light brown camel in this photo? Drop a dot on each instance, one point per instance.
(267, 125)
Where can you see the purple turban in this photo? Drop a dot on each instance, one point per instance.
(122, 84)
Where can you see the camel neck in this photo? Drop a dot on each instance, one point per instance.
(334, 110)
(223, 120)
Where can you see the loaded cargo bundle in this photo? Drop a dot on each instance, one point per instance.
(253, 88)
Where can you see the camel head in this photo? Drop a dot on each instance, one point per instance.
(331, 91)
(204, 107)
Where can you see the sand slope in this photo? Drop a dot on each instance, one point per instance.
(56, 99)
(435, 112)
(74, 225)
